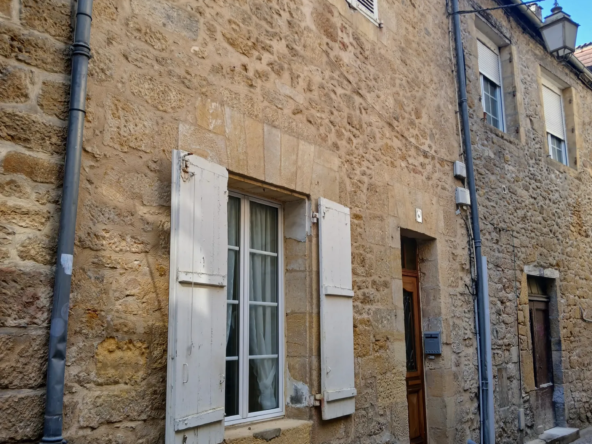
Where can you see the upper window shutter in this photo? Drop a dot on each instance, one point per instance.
(197, 301)
(489, 64)
(337, 337)
(553, 113)
(368, 7)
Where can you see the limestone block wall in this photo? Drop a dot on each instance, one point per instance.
(34, 82)
(536, 214)
(306, 96)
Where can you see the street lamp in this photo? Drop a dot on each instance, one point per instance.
(559, 32)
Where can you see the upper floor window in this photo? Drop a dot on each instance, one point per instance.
(491, 82)
(555, 121)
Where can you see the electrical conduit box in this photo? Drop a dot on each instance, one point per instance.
(463, 198)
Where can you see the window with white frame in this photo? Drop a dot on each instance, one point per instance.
(491, 82)
(226, 304)
(555, 121)
(254, 341)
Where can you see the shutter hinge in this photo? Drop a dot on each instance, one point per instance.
(314, 217)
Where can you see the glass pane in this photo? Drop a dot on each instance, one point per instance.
(264, 227)
(232, 388)
(233, 221)
(263, 384)
(233, 287)
(409, 331)
(263, 286)
(263, 330)
(232, 330)
(409, 255)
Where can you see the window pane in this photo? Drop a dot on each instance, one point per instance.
(264, 278)
(263, 330)
(409, 253)
(232, 387)
(557, 148)
(264, 227)
(410, 346)
(263, 384)
(491, 105)
(233, 287)
(232, 312)
(233, 221)
(232, 330)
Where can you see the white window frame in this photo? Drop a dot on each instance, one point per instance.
(563, 149)
(244, 416)
(360, 7)
(546, 83)
(500, 103)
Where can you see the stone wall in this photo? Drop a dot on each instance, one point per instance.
(34, 77)
(535, 217)
(304, 96)
(307, 96)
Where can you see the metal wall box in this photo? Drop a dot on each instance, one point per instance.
(463, 197)
(432, 343)
(460, 170)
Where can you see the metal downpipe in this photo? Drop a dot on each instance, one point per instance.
(486, 392)
(56, 365)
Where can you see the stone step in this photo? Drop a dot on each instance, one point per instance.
(560, 435)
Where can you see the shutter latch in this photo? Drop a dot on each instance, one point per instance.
(314, 217)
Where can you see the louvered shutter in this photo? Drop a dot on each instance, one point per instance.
(368, 7)
(489, 64)
(553, 113)
(197, 302)
(337, 337)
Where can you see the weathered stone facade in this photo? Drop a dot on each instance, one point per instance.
(536, 219)
(304, 97)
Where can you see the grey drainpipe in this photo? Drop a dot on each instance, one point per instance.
(486, 395)
(56, 365)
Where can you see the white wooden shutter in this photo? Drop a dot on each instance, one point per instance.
(553, 112)
(337, 330)
(489, 64)
(197, 302)
(368, 7)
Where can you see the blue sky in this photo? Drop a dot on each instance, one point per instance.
(580, 11)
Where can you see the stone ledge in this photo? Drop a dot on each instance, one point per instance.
(292, 431)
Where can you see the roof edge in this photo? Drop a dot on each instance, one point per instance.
(573, 60)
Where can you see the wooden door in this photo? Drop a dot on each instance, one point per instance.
(414, 352)
(543, 368)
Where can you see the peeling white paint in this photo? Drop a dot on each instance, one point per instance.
(298, 393)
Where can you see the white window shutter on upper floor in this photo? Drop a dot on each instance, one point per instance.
(553, 113)
(337, 337)
(197, 302)
(489, 64)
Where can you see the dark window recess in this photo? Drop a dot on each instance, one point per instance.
(410, 345)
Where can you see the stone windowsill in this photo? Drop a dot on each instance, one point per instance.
(241, 431)
(573, 172)
(506, 137)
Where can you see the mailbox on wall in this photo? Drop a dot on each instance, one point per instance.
(432, 343)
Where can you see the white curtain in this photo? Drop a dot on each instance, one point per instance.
(263, 325)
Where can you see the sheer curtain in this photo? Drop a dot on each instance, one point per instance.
(263, 319)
